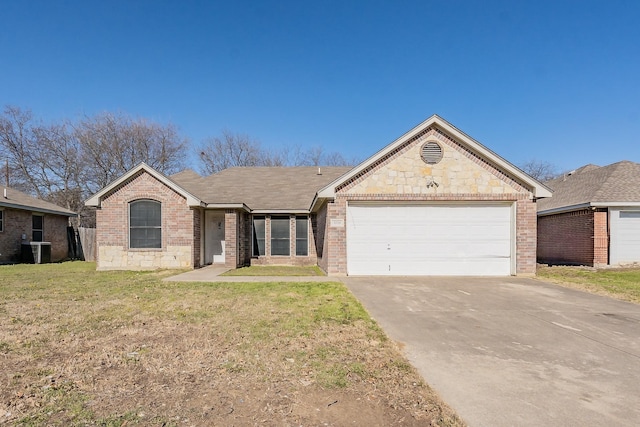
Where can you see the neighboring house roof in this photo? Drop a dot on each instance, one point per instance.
(617, 184)
(538, 189)
(11, 198)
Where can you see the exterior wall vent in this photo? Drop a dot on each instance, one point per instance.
(431, 153)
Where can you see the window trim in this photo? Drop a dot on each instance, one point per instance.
(40, 230)
(288, 238)
(304, 218)
(254, 239)
(1, 220)
(130, 204)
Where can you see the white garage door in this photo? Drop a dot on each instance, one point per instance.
(429, 239)
(625, 236)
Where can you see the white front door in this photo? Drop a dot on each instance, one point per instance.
(214, 237)
(430, 239)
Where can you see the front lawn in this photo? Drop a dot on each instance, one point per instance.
(275, 270)
(80, 347)
(620, 283)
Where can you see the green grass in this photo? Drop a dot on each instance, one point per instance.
(623, 284)
(276, 270)
(71, 338)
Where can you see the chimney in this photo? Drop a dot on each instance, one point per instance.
(5, 193)
(319, 171)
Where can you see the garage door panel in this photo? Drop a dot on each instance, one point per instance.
(625, 236)
(429, 240)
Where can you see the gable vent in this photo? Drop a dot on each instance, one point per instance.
(431, 153)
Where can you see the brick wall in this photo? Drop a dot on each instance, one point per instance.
(526, 236)
(568, 238)
(112, 228)
(196, 248)
(336, 236)
(231, 238)
(17, 222)
(601, 237)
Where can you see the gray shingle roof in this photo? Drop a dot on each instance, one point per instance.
(260, 188)
(618, 182)
(19, 200)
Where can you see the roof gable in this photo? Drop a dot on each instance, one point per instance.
(96, 199)
(440, 125)
(15, 199)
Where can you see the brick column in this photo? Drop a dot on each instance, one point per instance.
(526, 235)
(230, 238)
(600, 238)
(336, 239)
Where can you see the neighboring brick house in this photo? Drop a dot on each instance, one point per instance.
(593, 218)
(25, 219)
(434, 201)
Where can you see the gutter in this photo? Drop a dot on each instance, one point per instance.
(34, 209)
(587, 205)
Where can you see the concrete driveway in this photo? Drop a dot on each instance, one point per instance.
(513, 351)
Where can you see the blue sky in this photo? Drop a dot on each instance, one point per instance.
(556, 81)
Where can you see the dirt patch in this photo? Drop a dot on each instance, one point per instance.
(198, 355)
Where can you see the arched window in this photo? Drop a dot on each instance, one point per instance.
(145, 224)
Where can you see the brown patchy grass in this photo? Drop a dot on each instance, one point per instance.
(80, 347)
(275, 270)
(619, 283)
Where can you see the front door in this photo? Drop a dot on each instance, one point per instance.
(214, 237)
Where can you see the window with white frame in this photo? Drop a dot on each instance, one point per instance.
(258, 235)
(145, 224)
(280, 235)
(37, 228)
(302, 236)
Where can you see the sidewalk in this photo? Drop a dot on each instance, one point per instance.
(212, 273)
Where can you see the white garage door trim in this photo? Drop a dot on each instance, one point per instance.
(459, 239)
(625, 235)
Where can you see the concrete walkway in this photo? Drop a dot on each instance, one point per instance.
(212, 273)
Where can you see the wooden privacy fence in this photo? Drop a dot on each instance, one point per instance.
(86, 242)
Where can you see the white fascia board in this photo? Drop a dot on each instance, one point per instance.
(281, 211)
(539, 189)
(589, 205)
(96, 199)
(227, 206)
(615, 204)
(563, 209)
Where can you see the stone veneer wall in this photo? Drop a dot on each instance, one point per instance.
(112, 230)
(402, 176)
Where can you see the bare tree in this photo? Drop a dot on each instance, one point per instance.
(112, 144)
(234, 149)
(229, 150)
(18, 140)
(65, 162)
(540, 170)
